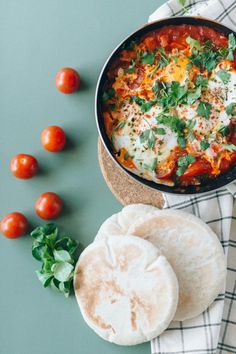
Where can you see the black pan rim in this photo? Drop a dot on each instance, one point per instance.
(212, 184)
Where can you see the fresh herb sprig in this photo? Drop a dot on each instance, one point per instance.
(144, 105)
(56, 256)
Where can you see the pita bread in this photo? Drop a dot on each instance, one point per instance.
(126, 289)
(120, 223)
(194, 253)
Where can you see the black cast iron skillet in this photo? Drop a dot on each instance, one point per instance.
(208, 185)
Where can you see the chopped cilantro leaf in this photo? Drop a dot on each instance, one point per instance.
(204, 145)
(210, 60)
(229, 147)
(208, 44)
(173, 122)
(205, 60)
(201, 81)
(186, 160)
(144, 135)
(153, 72)
(152, 141)
(159, 131)
(169, 94)
(144, 105)
(183, 163)
(139, 55)
(108, 94)
(182, 142)
(189, 65)
(191, 124)
(204, 109)
(152, 166)
(231, 109)
(112, 106)
(223, 75)
(224, 130)
(231, 46)
(181, 170)
(194, 95)
(164, 60)
(129, 70)
(193, 43)
(148, 58)
(175, 58)
(130, 45)
(121, 124)
(149, 137)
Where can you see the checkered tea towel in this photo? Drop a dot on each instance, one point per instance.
(214, 331)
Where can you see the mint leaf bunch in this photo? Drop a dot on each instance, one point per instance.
(56, 256)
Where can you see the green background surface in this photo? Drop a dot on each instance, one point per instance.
(37, 38)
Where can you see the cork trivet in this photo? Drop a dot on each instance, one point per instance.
(126, 189)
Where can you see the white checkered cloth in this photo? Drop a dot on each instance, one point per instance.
(214, 331)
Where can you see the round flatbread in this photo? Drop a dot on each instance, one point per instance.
(126, 290)
(194, 253)
(120, 223)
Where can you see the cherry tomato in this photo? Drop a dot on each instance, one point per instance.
(48, 206)
(53, 138)
(197, 168)
(24, 166)
(67, 80)
(14, 225)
